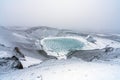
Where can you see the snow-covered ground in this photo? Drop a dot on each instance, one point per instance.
(99, 59)
(73, 69)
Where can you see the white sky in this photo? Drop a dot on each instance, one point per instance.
(85, 15)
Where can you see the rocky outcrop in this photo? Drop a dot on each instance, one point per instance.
(10, 63)
(43, 53)
(97, 54)
(18, 53)
(89, 38)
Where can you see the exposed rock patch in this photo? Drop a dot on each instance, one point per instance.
(10, 63)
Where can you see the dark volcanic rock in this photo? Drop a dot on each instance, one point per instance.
(16, 64)
(87, 55)
(90, 39)
(18, 52)
(97, 54)
(10, 63)
(43, 53)
(109, 49)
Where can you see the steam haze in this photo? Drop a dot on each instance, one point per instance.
(80, 15)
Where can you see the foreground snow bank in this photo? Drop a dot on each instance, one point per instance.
(73, 69)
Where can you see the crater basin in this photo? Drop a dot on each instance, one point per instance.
(61, 46)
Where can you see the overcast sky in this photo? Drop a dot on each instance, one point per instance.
(81, 15)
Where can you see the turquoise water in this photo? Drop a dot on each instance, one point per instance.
(62, 44)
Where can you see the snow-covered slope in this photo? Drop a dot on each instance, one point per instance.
(102, 52)
(28, 40)
(74, 69)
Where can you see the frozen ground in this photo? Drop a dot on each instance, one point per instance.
(99, 59)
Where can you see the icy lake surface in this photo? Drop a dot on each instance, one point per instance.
(62, 45)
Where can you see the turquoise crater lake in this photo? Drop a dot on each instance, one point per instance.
(61, 45)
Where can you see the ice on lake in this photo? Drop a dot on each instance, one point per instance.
(61, 45)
